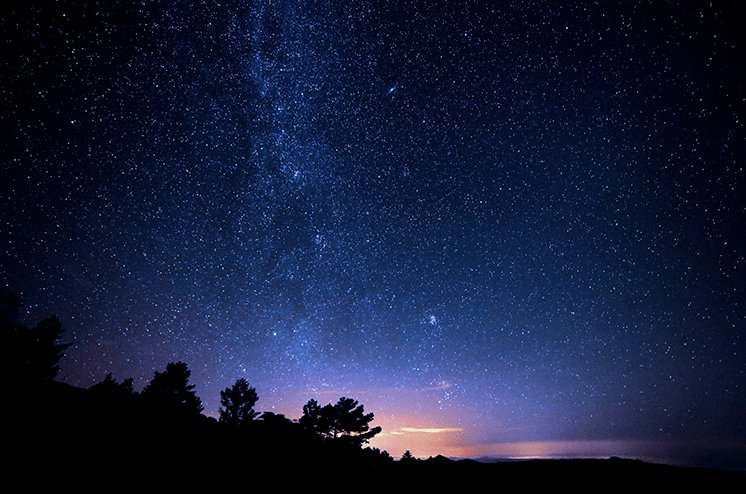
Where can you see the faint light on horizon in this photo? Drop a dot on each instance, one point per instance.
(640, 449)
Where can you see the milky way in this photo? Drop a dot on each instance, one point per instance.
(507, 224)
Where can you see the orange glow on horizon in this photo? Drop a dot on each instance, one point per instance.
(423, 438)
(437, 432)
(456, 444)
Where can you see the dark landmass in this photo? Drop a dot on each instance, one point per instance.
(577, 474)
(59, 435)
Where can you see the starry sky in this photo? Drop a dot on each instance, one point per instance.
(507, 228)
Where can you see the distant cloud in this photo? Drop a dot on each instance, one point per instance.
(433, 430)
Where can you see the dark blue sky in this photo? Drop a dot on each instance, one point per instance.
(494, 225)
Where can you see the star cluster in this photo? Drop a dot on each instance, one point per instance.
(506, 222)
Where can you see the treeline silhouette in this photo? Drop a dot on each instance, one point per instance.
(162, 428)
(109, 437)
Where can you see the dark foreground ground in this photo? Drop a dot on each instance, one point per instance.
(432, 475)
(60, 438)
(182, 465)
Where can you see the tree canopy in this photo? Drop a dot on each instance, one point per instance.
(237, 403)
(30, 355)
(171, 390)
(344, 420)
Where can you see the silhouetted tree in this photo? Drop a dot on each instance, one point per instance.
(407, 456)
(171, 391)
(30, 355)
(238, 403)
(352, 421)
(344, 420)
(312, 420)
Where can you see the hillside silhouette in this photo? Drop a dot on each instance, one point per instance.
(109, 436)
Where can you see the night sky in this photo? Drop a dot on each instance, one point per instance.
(506, 228)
